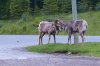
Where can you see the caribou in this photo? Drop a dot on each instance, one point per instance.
(72, 27)
(50, 28)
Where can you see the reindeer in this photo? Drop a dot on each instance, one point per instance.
(77, 26)
(49, 28)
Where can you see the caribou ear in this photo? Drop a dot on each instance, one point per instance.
(52, 24)
(56, 21)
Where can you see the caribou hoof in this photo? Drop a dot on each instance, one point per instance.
(69, 53)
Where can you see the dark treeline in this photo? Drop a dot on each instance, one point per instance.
(16, 8)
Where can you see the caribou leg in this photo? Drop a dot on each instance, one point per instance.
(49, 38)
(54, 38)
(82, 36)
(69, 39)
(40, 38)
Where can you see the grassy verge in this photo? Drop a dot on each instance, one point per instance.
(29, 24)
(89, 49)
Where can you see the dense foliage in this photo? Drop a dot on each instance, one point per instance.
(16, 8)
(23, 16)
(4, 8)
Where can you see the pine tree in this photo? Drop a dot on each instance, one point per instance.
(4, 9)
(18, 7)
(64, 5)
(50, 6)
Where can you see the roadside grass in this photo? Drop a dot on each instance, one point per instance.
(89, 49)
(29, 24)
(17, 27)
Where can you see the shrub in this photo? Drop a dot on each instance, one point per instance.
(97, 6)
(82, 7)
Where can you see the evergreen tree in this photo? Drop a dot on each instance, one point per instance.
(4, 9)
(50, 6)
(64, 5)
(18, 7)
(82, 5)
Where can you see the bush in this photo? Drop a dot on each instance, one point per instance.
(18, 7)
(97, 6)
(82, 7)
(50, 6)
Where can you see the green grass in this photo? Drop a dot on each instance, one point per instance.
(30, 24)
(17, 27)
(89, 49)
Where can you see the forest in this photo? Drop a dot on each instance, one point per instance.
(23, 16)
(14, 9)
